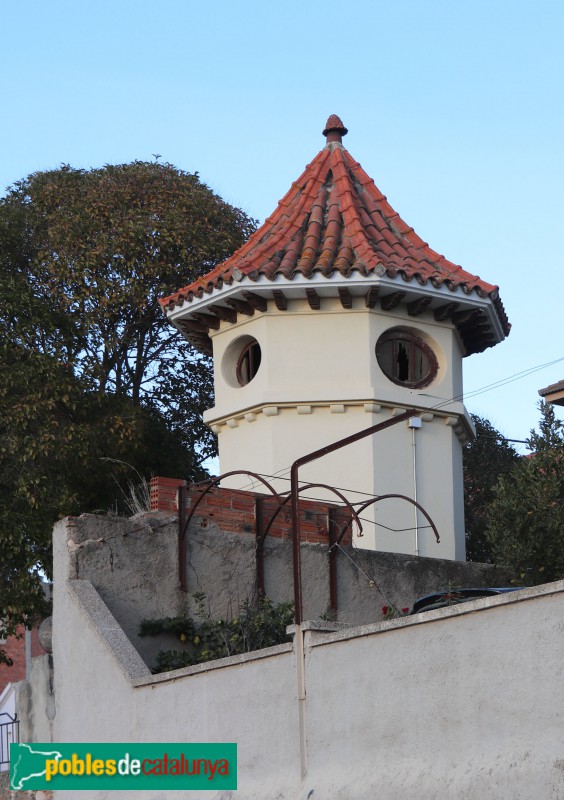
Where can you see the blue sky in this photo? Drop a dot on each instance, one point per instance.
(454, 109)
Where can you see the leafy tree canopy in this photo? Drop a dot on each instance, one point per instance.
(89, 367)
(85, 257)
(488, 456)
(526, 521)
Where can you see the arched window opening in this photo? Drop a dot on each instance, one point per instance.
(248, 363)
(406, 359)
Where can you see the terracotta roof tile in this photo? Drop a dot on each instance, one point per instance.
(335, 218)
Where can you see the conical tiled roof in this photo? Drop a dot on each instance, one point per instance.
(335, 220)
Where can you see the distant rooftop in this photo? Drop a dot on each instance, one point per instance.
(554, 393)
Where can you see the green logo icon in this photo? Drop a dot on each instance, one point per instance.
(123, 766)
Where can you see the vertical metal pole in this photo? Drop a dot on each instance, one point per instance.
(259, 531)
(181, 495)
(298, 613)
(294, 485)
(296, 541)
(332, 517)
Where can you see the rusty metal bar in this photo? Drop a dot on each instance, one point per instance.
(400, 497)
(259, 525)
(294, 479)
(333, 527)
(215, 481)
(185, 519)
(182, 528)
(304, 488)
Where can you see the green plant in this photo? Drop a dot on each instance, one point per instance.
(258, 625)
(526, 527)
(392, 612)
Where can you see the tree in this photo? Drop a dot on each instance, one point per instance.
(526, 522)
(63, 450)
(91, 252)
(487, 457)
(91, 373)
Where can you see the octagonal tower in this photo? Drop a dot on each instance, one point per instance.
(334, 316)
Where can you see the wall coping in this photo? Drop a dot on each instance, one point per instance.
(318, 632)
(108, 629)
(323, 636)
(208, 666)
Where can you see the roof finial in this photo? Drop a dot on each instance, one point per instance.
(334, 129)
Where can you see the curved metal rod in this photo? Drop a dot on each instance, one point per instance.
(400, 497)
(313, 486)
(215, 481)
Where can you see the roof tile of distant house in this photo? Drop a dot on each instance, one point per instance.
(554, 393)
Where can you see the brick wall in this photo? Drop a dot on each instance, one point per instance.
(15, 648)
(234, 511)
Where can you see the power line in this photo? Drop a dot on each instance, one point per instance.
(279, 474)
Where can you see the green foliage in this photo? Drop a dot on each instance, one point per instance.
(486, 459)
(257, 626)
(85, 256)
(526, 521)
(92, 377)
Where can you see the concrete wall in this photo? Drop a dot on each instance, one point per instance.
(36, 701)
(463, 702)
(133, 564)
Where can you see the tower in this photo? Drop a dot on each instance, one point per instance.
(334, 316)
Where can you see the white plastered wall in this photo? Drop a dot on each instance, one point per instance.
(319, 381)
(461, 702)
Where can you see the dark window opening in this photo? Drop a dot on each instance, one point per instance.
(248, 363)
(406, 359)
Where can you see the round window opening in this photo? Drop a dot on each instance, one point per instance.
(248, 362)
(406, 359)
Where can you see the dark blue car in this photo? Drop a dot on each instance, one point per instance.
(452, 597)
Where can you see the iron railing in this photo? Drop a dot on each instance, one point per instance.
(9, 732)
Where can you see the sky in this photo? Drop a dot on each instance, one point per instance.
(455, 109)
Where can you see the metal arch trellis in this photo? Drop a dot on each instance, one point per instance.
(262, 530)
(374, 500)
(303, 488)
(294, 483)
(261, 533)
(261, 536)
(184, 520)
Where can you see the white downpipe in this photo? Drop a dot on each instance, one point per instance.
(414, 447)
(300, 674)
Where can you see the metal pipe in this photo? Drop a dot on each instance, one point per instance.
(184, 519)
(415, 491)
(304, 488)
(333, 527)
(400, 497)
(294, 480)
(182, 528)
(259, 550)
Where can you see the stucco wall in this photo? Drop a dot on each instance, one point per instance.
(458, 703)
(36, 701)
(133, 564)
